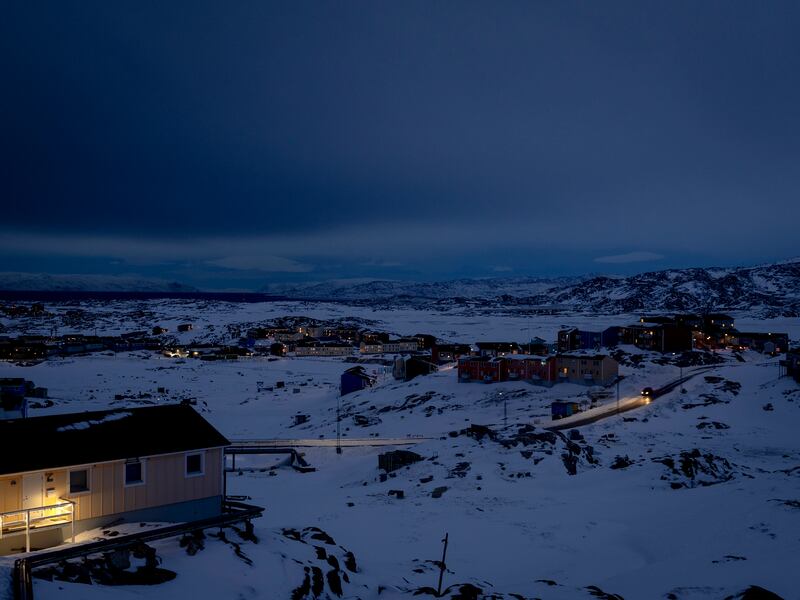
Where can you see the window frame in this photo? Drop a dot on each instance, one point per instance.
(202, 472)
(143, 464)
(88, 489)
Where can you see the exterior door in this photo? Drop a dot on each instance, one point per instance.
(32, 490)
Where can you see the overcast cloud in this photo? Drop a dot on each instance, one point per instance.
(236, 144)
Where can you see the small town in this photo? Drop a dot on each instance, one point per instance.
(399, 301)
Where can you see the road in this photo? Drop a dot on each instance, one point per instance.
(594, 415)
(328, 442)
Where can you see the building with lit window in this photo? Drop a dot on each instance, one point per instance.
(63, 474)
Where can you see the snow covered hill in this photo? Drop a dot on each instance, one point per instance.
(766, 291)
(379, 290)
(769, 290)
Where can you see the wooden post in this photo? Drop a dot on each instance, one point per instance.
(442, 567)
(27, 531)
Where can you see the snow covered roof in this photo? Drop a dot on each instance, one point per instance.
(58, 441)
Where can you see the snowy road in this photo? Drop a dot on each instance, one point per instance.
(329, 443)
(594, 415)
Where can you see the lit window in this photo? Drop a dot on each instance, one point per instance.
(79, 481)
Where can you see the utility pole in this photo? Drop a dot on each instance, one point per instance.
(442, 566)
(338, 425)
(617, 395)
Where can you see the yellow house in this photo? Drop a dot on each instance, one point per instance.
(63, 474)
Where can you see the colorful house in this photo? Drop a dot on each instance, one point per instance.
(571, 339)
(354, 380)
(486, 369)
(587, 369)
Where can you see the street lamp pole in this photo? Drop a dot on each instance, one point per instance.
(338, 425)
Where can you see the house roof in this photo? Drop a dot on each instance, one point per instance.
(496, 345)
(584, 356)
(57, 441)
(719, 316)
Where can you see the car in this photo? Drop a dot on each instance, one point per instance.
(647, 392)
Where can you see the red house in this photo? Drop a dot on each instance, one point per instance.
(482, 368)
(489, 370)
(532, 368)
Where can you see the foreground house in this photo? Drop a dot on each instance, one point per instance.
(63, 474)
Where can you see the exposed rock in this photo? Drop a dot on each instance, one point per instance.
(692, 468)
(437, 493)
(621, 462)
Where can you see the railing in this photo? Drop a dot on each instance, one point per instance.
(233, 511)
(27, 519)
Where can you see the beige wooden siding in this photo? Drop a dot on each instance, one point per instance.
(165, 483)
(10, 495)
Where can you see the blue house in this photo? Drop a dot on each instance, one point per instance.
(577, 339)
(353, 380)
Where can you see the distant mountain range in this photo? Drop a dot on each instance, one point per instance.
(768, 290)
(87, 283)
(765, 290)
(370, 289)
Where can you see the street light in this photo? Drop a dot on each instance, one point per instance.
(679, 361)
(505, 410)
(339, 424)
(618, 379)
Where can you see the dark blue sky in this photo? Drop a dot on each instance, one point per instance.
(232, 144)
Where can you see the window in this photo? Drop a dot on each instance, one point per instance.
(194, 464)
(79, 481)
(134, 473)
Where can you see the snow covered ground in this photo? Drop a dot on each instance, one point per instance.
(694, 495)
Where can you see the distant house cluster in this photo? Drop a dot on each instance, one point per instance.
(16, 311)
(41, 347)
(680, 332)
(334, 340)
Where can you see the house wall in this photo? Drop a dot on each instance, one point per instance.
(165, 483)
(323, 350)
(601, 369)
(483, 370)
(10, 495)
